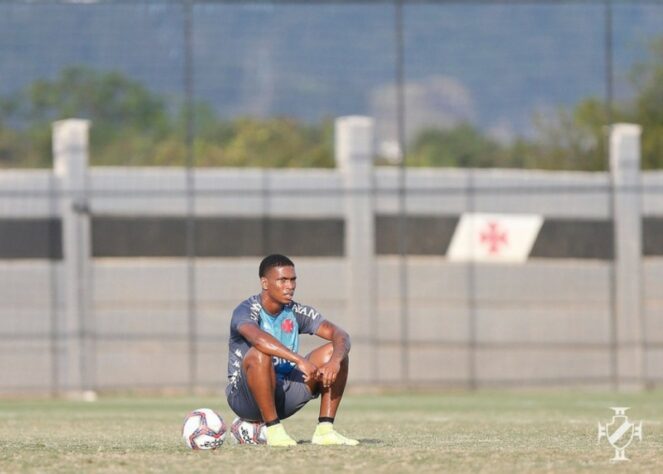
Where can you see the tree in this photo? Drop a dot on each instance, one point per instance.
(133, 126)
(461, 146)
(279, 143)
(577, 138)
(648, 108)
(571, 139)
(127, 118)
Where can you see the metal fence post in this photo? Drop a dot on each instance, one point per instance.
(70, 153)
(629, 331)
(354, 158)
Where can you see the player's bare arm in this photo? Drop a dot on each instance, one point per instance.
(341, 347)
(268, 344)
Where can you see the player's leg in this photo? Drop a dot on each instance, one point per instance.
(330, 398)
(261, 379)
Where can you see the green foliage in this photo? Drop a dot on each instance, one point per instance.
(132, 125)
(462, 146)
(128, 120)
(279, 143)
(577, 139)
(572, 140)
(648, 112)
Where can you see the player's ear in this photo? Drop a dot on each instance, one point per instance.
(263, 282)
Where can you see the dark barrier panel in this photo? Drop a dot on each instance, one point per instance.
(424, 235)
(652, 236)
(560, 238)
(30, 239)
(233, 237)
(216, 237)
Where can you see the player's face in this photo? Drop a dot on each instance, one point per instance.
(279, 284)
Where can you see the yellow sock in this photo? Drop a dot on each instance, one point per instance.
(277, 436)
(326, 435)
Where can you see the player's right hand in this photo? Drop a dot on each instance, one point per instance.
(308, 368)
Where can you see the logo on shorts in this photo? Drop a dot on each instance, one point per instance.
(620, 432)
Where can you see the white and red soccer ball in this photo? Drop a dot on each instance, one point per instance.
(248, 432)
(204, 429)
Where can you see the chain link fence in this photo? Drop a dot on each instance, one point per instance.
(212, 143)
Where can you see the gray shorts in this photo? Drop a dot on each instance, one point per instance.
(291, 395)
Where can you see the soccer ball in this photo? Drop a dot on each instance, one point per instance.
(248, 432)
(203, 429)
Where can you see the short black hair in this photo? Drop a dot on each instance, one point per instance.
(273, 260)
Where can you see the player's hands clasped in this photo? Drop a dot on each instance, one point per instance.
(308, 368)
(327, 373)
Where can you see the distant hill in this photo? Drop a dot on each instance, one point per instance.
(492, 65)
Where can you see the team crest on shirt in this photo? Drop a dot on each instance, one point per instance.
(287, 325)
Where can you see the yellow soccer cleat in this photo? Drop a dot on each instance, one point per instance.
(277, 436)
(326, 435)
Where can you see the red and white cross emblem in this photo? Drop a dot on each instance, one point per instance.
(493, 237)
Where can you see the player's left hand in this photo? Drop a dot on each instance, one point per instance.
(327, 373)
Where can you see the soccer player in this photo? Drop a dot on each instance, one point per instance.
(268, 379)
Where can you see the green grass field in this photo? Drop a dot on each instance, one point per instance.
(400, 433)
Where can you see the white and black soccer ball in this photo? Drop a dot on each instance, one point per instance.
(248, 432)
(204, 429)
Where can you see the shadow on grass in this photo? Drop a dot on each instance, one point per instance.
(361, 441)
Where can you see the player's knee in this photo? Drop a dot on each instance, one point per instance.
(254, 359)
(327, 351)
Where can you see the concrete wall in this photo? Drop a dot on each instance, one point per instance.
(81, 320)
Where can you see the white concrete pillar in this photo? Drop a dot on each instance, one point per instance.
(625, 171)
(70, 154)
(354, 150)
